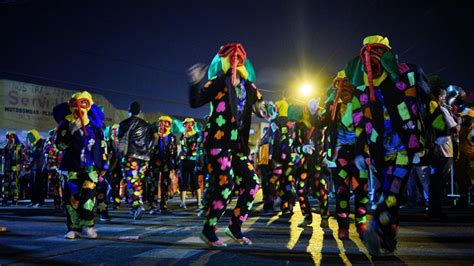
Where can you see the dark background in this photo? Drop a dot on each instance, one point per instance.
(140, 50)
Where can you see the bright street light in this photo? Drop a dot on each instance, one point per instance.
(306, 89)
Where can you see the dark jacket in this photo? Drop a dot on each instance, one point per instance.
(140, 137)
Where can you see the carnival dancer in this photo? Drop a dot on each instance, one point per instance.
(163, 160)
(12, 159)
(229, 87)
(386, 113)
(188, 162)
(347, 175)
(308, 174)
(52, 158)
(37, 180)
(79, 136)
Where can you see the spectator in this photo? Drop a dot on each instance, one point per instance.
(441, 126)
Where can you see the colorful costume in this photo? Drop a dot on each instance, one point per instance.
(79, 135)
(114, 174)
(189, 157)
(163, 160)
(348, 175)
(38, 181)
(12, 159)
(386, 112)
(52, 158)
(233, 96)
(308, 175)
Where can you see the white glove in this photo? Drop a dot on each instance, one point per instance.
(196, 73)
(313, 105)
(359, 162)
(273, 126)
(308, 149)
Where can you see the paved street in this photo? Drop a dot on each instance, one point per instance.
(35, 235)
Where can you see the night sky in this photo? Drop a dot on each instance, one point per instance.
(140, 50)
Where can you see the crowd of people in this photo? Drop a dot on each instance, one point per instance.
(382, 119)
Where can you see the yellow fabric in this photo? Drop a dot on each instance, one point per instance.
(263, 155)
(340, 75)
(376, 81)
(83, 95)
(188, 120)
(35, 135)
(190, 133)
(165, 118)
(433, 106)
(80, 95)
(377, 39)
(282, 106)
(225, 61)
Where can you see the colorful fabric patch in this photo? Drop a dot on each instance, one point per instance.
(219, 134)
(438, 123)
(411, 92)
(220, 107)
(402, 159)
(356, 117)
(342, 173)
(401, 85)
(347, 118)
(403, 111)
(411, 78)
(400, 172)
(413, 142)
(220, 121)
(364, 98)
(373, 136)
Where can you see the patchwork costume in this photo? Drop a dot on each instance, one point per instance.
(52, 158)
(347, 175)
(79, 136)
(229, 89)
(386, 114)
(12, 160)
(163, 160)
(190, 143)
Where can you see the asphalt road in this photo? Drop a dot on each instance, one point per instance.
(36, 236)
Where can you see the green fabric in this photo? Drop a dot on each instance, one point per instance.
(74, 217)
(347, 117)
(214, 68)
(389, 63)
(438, 123)
(402, 159)
(89, 205)
(403, 111)
(343, 204)
(411, 78)
(250, 70)
(364, 174)
(331, 97)
(342, 173)
(355, 72)
(355, 103)
(295, 112)
(374, 135)
(94, 176)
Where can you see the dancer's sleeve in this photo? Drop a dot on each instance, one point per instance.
(201, 89)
